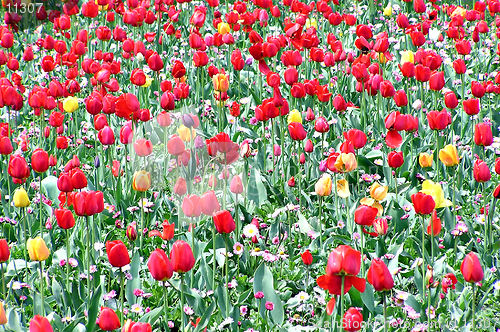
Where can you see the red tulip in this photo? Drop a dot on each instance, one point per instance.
(356, 137)
(471, 268)
(126, 105)
(435, 223)
(40, 161)
(159, 265)
(422, 73)
(78, 178)
(439, 120)
(395, 159)
(379, 276)
(436, 81)
(407, 69)
(497, 165)
(130, 326)
(307, 258)
(481, 171)
(155, 62)
(321, 125)
(353, 319)
(168, 231)
(423, 203)
(224, 222)
(178, 69)
(108, 320)
(88, 203)
(117, 253)
(65, 218)
(463, 47)
(400, 98)
(297, 132)
(342, 261)
(40, 324)
(483, 135)
(477, 89)
(221, 146)
(18, 168)
(365, 215)
(459, 66)
(106, 136)
(6, 147)
(419, 6)
(471, 106)
(4, 251)
(181, 257)
(450, 100)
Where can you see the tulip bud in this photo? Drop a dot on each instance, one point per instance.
(302, 158)
(425, 160)
(236, 185)
(187, 120)
(131, 233)
(37, 249)
(277, 150)
(21, 198)
(291, 182)
(309, 147)
(307, 258)
(97, 162)
(380, 226)
(310, 115)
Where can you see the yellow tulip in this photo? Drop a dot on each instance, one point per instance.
(382, 58)
(185, 134)
(388, 10)
(148, 82)
(378, 192)
(70, 104)
(21, 198)
(435, 190)
(407, 56)
(449, 155)
(346, 162)
(425, 160)
(220, 82)
(38, 249)
(141, 181)
(324, 186)
(459, 11)
(294, 116)
(3, 317)
(311, 23)
(223, 28)
(343, 188)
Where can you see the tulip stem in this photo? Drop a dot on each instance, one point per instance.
(486, 226)
(224, 173)
(88, 260)
(473, 307)
(432, 267)
(192, 246)
(67, 260)
(214, 260)
(437, 155)
(40, 205)
(384, 295)
(41, 287)
(165, 305)
(182, 302)
(23, 215)
(227, 275)
(341, 302)
(122, 285)
(274, 156)
(3, 283)
(142, 221)
(362, 235)
(236, 218)
(320, 223)
(423, 257)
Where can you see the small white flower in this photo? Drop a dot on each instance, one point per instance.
(250, 231)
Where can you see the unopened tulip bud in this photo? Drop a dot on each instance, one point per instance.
(310, 115)
(21, 198)
(302, 158)
(309, 147)
(131, 233)
(277, 150)
(291, 182)
(97, 162)
(425, 160)
(380, 226)
(322, 166)
(236, 185)
(187, 120)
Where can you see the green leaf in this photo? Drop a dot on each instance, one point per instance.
(50, 185)
(136, 280)
(13, 320)
(205, 319)
(264, 282)
(368, 299)
(94, 309)
(256, 189)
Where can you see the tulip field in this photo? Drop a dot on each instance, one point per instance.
(250, 166)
